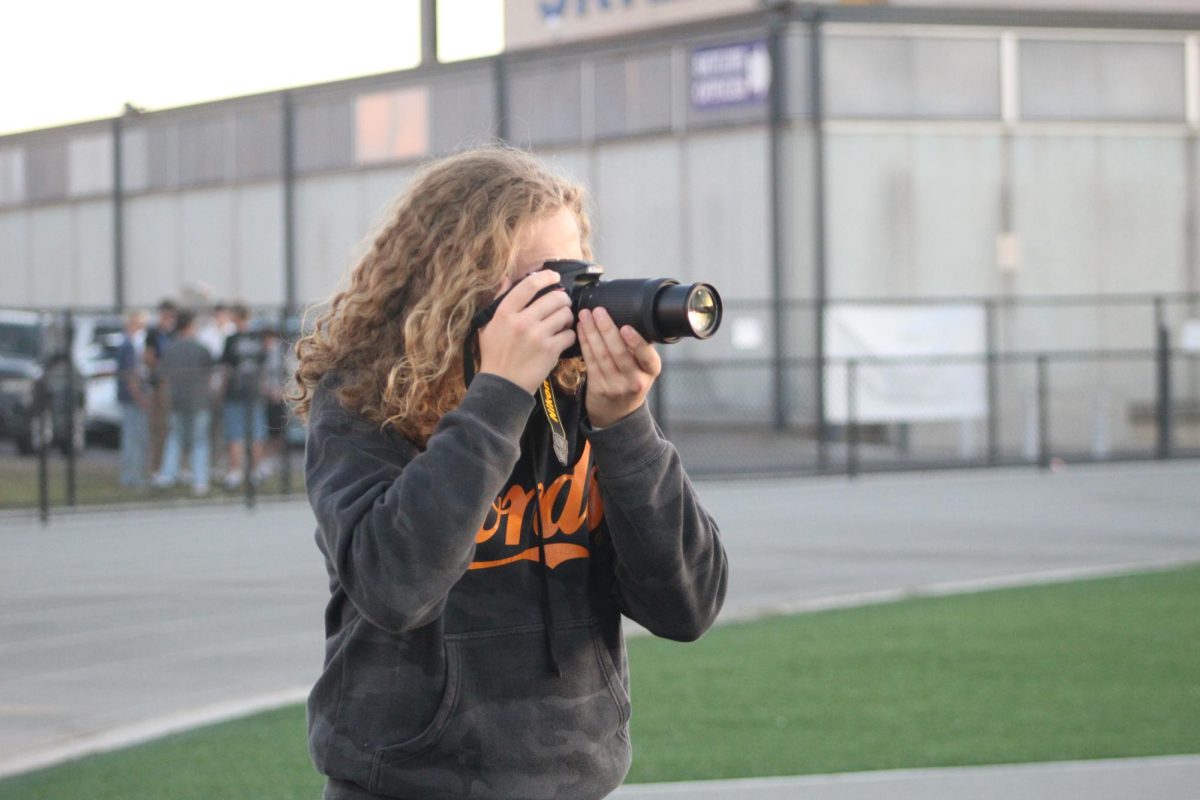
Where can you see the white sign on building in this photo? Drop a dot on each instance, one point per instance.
(731, 75)
(537, 23)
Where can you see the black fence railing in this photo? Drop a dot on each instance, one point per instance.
(167, 446)
(1037, 409)
(67, 439)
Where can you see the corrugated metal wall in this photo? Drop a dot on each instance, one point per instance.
(1083, 144)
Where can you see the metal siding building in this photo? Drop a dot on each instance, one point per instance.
(940, 151)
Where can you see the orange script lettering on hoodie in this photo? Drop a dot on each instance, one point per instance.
(582, 510)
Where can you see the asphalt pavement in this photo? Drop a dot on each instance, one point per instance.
(119, 626)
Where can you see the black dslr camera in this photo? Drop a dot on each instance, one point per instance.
(660, 309)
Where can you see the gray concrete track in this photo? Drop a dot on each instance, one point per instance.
(1166, 778)
(118, 625)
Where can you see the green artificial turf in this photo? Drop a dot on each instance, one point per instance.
(263, 757)
(1095, 669)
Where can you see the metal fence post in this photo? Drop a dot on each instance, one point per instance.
(285, 453)
(69, 443)
(822, 411)
(816, 89)
(248, 443)
(852, 418)
(777, 25)
(40, 396)
(1043, 411)
(429, 37)
(118, 214)
(1164, 390)
(993, 413)
(500, 86)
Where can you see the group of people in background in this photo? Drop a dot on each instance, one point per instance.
(191, 381)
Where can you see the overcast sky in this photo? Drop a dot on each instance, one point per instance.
(67, 61)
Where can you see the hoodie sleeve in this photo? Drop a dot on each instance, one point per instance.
(398, 530)
(671, 569)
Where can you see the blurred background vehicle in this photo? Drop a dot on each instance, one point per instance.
(42, 391)
(94, 347)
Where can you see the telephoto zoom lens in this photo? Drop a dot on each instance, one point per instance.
(660, 309)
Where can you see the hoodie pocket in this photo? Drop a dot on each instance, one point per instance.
(415, 745)
(618, 683)
(508, 726)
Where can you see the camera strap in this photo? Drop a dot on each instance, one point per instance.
(483, 317)
(546, 397)
(549, 404)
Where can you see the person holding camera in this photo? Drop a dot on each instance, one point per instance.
(483, 542)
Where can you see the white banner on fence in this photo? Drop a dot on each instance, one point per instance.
(1189, 336)
(906, 392)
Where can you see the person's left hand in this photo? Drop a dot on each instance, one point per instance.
(621, 367)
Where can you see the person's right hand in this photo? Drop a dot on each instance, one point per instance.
(524, 339)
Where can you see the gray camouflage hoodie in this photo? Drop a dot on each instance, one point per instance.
(473, 633)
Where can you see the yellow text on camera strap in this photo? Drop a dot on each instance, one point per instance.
(550, 407)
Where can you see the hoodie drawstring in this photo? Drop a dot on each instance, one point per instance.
(547, 609)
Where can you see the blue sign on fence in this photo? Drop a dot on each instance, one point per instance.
(731, 74)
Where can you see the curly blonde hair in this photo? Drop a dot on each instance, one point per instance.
(395, 335)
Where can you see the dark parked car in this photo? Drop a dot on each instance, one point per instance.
(42, 392)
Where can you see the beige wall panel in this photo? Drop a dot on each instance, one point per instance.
(912, 214)
(208, 248)
(329, 228)
(15, 274)
(728, 217)
(336, 219)
(93, 274)
(576, 164)
(638, 225)
(52, 255)
(258, 276)
(381, 191)
(152, 250)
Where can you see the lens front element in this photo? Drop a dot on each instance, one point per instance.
(703, 311)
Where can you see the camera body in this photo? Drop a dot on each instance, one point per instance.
(660, 309)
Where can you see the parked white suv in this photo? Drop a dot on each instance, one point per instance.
(97, 338)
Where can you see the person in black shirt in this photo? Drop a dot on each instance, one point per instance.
(243, 360)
